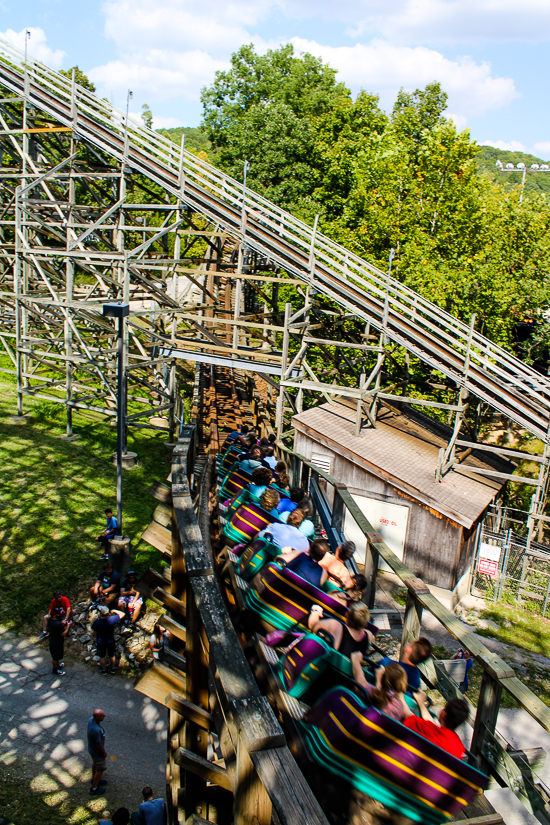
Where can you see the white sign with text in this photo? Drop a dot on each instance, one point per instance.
(390, 520)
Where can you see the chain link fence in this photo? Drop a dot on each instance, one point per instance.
(506, 569)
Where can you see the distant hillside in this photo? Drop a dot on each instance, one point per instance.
(195, 140)
(534, 182)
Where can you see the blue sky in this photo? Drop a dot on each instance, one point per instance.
(491, 56)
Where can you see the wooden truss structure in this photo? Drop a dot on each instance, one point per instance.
(96, 208)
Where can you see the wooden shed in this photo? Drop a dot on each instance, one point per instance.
(390, 471)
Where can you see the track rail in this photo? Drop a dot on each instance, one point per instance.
(437, 338)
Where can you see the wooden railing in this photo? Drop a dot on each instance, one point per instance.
(221, 694)
(497, 677)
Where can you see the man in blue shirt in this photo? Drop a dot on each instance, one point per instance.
(151, 811)
(95, 735)
(105, 629)
(109, 532)
(296, 496)
(413, 654)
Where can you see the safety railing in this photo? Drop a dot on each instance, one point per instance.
(436, 337)
(497, 675)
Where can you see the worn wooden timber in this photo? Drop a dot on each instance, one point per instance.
(260, 769)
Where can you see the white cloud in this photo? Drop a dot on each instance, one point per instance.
(542, 149)
(433, 21)
(139, 26)
(37, 46)
(157, 74)
(382, 67)
(506, 146)
(166, 122)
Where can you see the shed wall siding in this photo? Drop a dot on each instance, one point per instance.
(433, 542)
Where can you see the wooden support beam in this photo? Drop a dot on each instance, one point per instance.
(159, 681)
(202, 767)
(175, 628)
(190, 711)
(170, 601)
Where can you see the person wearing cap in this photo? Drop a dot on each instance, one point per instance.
(130, 599)
(104, 627)
(107, 585)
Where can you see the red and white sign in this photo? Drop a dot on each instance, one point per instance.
(490, 568)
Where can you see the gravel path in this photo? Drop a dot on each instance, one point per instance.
(43, 728)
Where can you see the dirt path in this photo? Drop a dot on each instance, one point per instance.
(42, 735)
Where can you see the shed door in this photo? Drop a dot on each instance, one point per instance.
(390, 520)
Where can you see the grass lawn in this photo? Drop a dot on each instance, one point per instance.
(517, 627)
(52, 500)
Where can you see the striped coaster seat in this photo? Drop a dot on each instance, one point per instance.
(258, 553)
(246, 523)
(385, 760)
(285, 599)
(234, 484)
(246, 497)
(229, 459)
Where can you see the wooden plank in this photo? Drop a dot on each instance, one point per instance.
(202, 767)
(151, 579)
(411, 621)
(486, 719)
(173, 659)
(174, 627)
(158, 537)
(488, 819)
(162, 514)
(478, 807)
(161, 492)
(159, 681)
(170, 601)
(194, 713)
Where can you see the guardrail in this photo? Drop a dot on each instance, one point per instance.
(497, 675)
(221, 693)
(445, 343)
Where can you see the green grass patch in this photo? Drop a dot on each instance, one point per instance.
(52, 500)
(517, 626)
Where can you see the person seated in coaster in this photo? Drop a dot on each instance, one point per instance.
(388, 695)
(283, 482)
(349, 637)
(251, 460)
(269, 501)
(414, 654)
(306, 565)
(353, 592)
(441, 732)
(335, 564)
(280, 469)
(261, 479)
(130, 600)
(270, 458)
(307, 526)
(289, 504)
(287, 535)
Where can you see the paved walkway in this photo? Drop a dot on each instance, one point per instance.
(43, 727)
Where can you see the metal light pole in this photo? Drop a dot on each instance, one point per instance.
(120, 311)
(521, 167)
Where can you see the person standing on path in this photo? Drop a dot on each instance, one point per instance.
(96, 748)
(104, 627)
(151, 811)
(57, 630)
(60, 608)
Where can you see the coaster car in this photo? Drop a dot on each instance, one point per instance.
(385, 760)
(246, 522)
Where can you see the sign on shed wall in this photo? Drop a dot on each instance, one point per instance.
(390, 520)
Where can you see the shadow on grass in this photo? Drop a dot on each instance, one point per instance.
(52, 500)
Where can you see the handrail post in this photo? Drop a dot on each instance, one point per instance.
(486, 717)
(411, 621)
(370, 572)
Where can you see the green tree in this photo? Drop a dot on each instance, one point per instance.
(80, 78)
(262, 110)
(147, 116)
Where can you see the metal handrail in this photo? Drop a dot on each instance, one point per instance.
(436, 337)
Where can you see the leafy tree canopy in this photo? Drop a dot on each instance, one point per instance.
(80, 78)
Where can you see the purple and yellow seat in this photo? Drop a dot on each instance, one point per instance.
(385, 760)
(246, 523)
